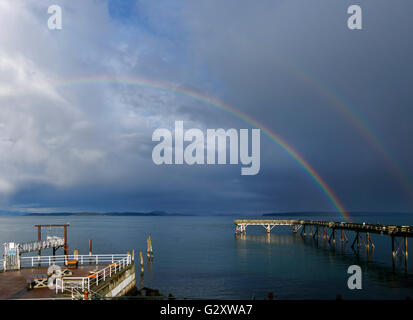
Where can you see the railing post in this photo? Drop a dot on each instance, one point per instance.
(112, 258)
(104, 274)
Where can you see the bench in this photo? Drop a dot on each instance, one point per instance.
(72, 263)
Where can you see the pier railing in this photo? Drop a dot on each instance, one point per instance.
(81, 284)
(394, 230)
(362, 232)
(50, 242)
(36, 261)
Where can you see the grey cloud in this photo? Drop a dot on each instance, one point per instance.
(90, 145)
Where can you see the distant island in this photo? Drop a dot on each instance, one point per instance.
(117, 214)
(175, 214)
(321, 213)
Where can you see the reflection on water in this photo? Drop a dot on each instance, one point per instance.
(340, 252)
(199, 257)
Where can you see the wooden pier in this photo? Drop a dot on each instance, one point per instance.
(336, 231)
(92, 276)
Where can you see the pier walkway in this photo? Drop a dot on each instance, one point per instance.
(328, 229)
(12, 250)
(50, 242)
(92, 274)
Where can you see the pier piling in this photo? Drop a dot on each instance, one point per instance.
(393, 253)
(362, 232)
(141, 260)
(149, 248)
(406, 256)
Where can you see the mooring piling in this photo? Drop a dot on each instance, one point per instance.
(141, 260)
(149, 248)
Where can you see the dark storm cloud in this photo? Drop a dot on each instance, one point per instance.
(267, 58)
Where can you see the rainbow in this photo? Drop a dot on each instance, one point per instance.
(339, 104)
(142, 82)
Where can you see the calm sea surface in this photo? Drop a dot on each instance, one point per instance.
(199, 257)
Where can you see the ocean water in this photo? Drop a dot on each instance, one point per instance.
(200, 258)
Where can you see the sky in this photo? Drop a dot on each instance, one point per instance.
(340, 98)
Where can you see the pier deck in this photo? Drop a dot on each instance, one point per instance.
(13, 283)
(397, 231)
(112, 274)
(328, 229)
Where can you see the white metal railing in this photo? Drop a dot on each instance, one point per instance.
(50, 242)
(36, 261)
(84, 283)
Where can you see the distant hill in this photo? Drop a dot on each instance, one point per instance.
(321, 213)
(11, 213)
(163, 213)
(118, 214)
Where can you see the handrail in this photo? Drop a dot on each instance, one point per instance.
(83, 283)
(377, 228)
(34, 261)
(50, 242)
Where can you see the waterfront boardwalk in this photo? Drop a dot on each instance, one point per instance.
(91, 277)
(269, 224)
(13, 284)
(327, 230)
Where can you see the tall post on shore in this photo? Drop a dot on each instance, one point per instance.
(90, 251)
(39, 238)
(149, 247)
(332, 236)
(368, 241)
(315, 233)
(66, 247)
(345, 236)
(141, 260)
(148, 253)
(406, 256)
(357, 238)
(393, 252)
